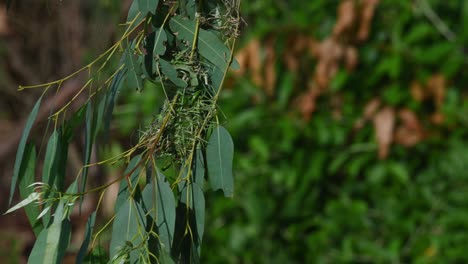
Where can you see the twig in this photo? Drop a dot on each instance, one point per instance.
(68, 90)
(436, 20)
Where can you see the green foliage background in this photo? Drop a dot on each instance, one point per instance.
(315, 191)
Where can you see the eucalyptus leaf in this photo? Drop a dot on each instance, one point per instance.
(26, 178)
(160, 39)
(210, 45)
(89, 231)
(192, 195)
(34, 196)
(160, 203)
(133, 169)
(48, 170)
(219, 155)
(128, 228)
(52, 243)
(148, 6)
(134, 71)
(21, 147)
(171, 73)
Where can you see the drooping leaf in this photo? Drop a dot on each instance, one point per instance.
(148, 6)
(134, 71)
(219, 155)
(124, 192)
(217, 76)
(159, 201)
(34, 196)
(169, 70)
(199, 168)
(26, 178)
(52, 243)
(160, 39)
(128, 229)
(90, 126)
(209, 44)
(21, 147)
(112, 95)
(89, 231)
(48, 170)
(96, 256)
(134, 12)
(192, 195)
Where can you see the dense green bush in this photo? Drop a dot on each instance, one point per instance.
(315, 191)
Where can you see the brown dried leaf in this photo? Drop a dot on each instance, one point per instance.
(417, 91)
(269, 64)
(351, 58)
(369, 111)
(367, 13)
(410, 131)
(437, 118)
(346, 17)
(330, 53)
(384, 123)
(307, 103)
(436, 85)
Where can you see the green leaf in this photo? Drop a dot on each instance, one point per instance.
(52, 243)
(160, 39)
(140, 8)
(219, 155)
(160, 203)
(210, 45)
(134, 12)
(192, 195)
(48, 170)
(96, 256)
(124, 192)
(89, 231)
(171, 73)
(128, 228)
(21, 147)
(134, 71)
(148, 6)
(91, 124)
(199, 168)
(217, 76)
(27, 177)
(34, 196)
(112, 94)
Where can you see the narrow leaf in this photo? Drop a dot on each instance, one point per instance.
(21, 147)
(160, 39)
(192, 195)
(171, 73)
(124, 191)
(31, 198)
(51, 245)
(90, 134)
(89, 231)
(219, 155)
(26, 178)
(160, 203)
(128, 227)
(134, 71)
(48, 171)
(148, 6)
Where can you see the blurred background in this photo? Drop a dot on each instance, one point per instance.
(349, 119)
